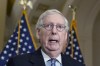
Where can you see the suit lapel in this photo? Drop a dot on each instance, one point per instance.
(37, 59)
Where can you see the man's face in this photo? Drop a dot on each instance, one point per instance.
(52, 40)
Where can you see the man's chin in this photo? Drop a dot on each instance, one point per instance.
(53, 49)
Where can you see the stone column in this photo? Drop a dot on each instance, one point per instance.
(3, 5)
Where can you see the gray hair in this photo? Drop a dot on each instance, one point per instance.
(49, 12)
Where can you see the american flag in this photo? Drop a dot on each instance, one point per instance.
(20, 42)
(73, 48)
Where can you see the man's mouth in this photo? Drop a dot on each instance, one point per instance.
(53, 40)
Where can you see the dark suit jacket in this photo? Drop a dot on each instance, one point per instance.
(36, 59)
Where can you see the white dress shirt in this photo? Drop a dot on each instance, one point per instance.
(46, 58)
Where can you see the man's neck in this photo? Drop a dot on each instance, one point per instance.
(46, 57)
(52, 54)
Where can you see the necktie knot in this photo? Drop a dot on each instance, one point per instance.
(53, 61)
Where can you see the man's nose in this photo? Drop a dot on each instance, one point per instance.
(54, 30)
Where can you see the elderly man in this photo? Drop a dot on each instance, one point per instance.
(51, 31)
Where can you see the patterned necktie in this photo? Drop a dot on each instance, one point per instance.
(53, 62)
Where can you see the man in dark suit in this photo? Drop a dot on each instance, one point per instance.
(51, 30)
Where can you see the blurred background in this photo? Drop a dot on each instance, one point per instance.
(87, 16)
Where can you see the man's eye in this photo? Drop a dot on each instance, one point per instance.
(60, 26)
(49, 25)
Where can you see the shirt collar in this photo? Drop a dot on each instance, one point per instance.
(46, 57)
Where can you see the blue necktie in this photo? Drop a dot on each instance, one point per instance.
(53, 62)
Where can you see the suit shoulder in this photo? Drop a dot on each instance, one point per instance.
(20, 59)
(24, 56)
(72, 62)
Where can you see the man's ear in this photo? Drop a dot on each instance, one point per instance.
(67, 35)
(38, 33)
